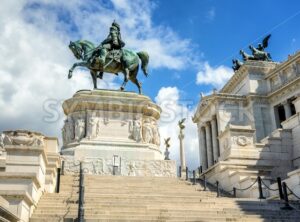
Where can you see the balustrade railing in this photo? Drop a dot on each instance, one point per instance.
(283, 190)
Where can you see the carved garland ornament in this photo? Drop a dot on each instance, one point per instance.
(242, 140)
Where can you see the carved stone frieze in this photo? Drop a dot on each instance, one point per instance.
(79, 129)
(155, 133)
(104, 166)
(93, 127)
(68, 132)
(135, 130)
(21, 138)
(147, 131)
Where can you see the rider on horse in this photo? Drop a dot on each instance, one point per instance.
(112, 42)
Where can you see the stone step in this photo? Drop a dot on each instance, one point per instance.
(141, 210)
(116, 198)
(186, 206)
(178, 218)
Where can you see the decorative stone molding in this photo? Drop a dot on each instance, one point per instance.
(248, 67)
(105, 166)
(291, 60)
(21, 138)
(242, 140)
(284, 91)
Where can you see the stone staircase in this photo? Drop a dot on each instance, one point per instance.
(116, 198)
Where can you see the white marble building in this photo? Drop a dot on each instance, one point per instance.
(28, 169)
(251, 127)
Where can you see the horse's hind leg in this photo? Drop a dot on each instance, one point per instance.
(94, 77)
(138, 84)
(135, 80)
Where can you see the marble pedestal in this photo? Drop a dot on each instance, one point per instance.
(113, 132)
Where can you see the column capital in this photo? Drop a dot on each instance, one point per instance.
(207, 124)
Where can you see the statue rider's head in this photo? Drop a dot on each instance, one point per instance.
(116, 25)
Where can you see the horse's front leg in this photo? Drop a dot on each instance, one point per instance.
(74, 66)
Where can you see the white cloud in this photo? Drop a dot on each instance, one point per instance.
(35, 59)
(214, 76)
(174, 109)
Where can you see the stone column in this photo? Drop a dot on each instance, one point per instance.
(276, 118)
(208, 145)
(287, 109)
(215, 147)
(203, 148)
(296, 103)
(182, 153)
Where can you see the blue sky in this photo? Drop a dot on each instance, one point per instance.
(191, 44)
(219, 29)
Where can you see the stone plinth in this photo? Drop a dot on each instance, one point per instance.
(113, 130)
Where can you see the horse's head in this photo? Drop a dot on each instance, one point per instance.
(76, 49)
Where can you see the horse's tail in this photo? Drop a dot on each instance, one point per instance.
(144, 57)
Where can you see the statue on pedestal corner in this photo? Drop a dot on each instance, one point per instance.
(258, 53)
(167, 144)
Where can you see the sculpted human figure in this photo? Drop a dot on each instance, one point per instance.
(79, 129)
(135, 130)
(167, 145)
(113, 41)
(155, 133)
(147, 131)
(92, 127)
(98, 128)
(68, 131)
(258, 53)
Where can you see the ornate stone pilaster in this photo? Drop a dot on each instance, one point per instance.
(208, 144)
(216, 152)
(203, 151)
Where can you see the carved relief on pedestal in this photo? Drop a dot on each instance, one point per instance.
(155, 133)
(2, 136)
(135, 130)
(226, 143)
(241, 140)
(147, 131)
(93, 125)
(68, 131)
(79, 129)
(21, 138)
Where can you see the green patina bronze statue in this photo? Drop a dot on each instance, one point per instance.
(258, 53)
(236, 64)
(110, 57)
